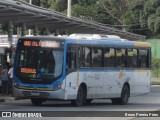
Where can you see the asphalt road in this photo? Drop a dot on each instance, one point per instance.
(98, 109)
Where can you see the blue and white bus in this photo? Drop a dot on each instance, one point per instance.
(80, 68)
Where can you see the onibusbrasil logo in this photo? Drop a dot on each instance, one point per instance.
(21, 114)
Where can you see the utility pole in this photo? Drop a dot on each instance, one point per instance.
(69, 9)
(30, 2)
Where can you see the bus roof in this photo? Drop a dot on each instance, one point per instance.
(107, 40)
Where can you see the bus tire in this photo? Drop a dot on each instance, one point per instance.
(81, 97)
(124, 96)
(36, 101)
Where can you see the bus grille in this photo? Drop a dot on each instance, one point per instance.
(41, 94)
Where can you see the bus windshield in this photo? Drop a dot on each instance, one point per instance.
(38, 65)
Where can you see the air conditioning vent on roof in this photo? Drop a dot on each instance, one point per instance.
(96, 36)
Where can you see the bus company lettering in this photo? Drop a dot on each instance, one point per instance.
(94, 76)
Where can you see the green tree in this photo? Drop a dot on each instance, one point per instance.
(156, 66)
(143, 17)
(59, 5)
(152, 12)
(92, 10)
(85, 2)
(135, 18)
(42, 3)
(116, 9)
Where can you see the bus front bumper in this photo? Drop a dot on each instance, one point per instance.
(57, 94)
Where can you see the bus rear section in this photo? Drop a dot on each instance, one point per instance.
(109, 69)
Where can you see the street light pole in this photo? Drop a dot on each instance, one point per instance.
(30, 2)
(69, 9)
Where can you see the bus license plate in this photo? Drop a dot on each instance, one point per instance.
(34, 93)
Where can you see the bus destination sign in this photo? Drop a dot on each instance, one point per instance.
(29, 43)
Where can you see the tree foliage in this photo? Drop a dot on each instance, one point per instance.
(116, 9)
(59, 5)
(90, 12)
(146, 15)
(137, 16)
(156, 66)
(152, 11)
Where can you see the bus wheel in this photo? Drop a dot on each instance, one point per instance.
(80, 97)
(124, 96)
(36, 101)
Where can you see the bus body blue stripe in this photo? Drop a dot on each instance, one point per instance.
(52, 85)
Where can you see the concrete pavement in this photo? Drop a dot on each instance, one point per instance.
(8, 97)
(4, 98)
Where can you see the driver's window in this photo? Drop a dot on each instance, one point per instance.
(71, 60)
(71, 57)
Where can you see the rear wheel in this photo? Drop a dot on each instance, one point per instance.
(81, 97)
(124, 96)
(36, 101)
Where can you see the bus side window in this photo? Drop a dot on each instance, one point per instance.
(71, 60)
(84, 56)
(96, 57)
(144, 58)
(109, 57)
(121, 57)
(132, 58)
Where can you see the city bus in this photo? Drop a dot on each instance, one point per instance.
(80, 68)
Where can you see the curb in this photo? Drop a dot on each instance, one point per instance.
(19, 98)
(155, 85)
(2, 100)
(10, 98)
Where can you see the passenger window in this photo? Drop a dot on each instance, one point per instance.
(96, 57)
(84, 57)
(109, 57)
(143, 58)
(71, 60)
(71, 57)
(121, 57)
(132, 58)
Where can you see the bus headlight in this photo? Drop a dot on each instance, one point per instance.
(58, 86)
(15, 84)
